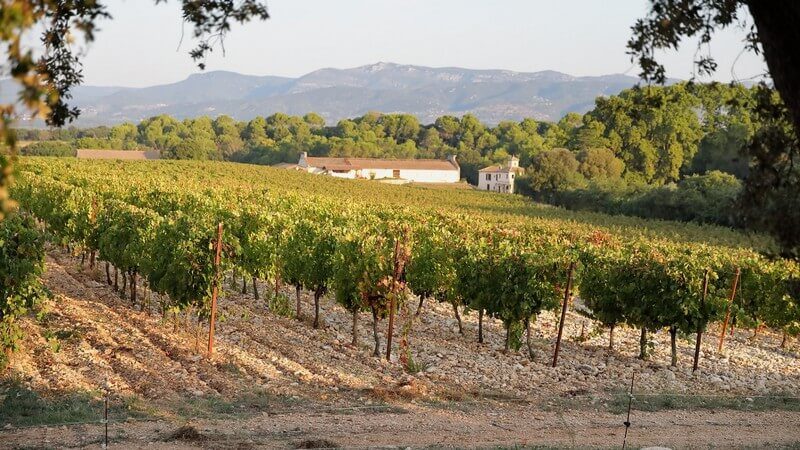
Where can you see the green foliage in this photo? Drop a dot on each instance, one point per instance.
(126, 235)
(654, 130)
(530, 278)
(705, 198)
(364, 262)
(413, 367)
(306, 252)
(182, 259)
(722, 150)
(770, 200)
(431, 272)
(599, 163)
(21, 264)
(647, 287)
(292, 226)
(553, 170)
(49, 148)
(23, 407)
(281, 305)
(259, 230)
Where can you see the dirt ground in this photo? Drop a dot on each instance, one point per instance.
(275, 382)
(425, 427)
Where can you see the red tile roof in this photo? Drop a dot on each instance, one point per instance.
(376, 163)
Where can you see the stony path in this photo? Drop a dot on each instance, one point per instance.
(425, 427)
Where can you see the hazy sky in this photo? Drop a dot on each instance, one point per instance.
(139, 47)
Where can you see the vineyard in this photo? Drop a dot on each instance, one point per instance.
(176, 229)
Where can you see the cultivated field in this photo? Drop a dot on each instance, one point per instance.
(274, 381)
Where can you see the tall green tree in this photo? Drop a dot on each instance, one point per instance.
(553, 170)
(771, 189)
(654, 130)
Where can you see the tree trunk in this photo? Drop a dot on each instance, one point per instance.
(108, 274)
(508, 337)
(255, 289)
(233, 281)
(785, 338)
(116, 279)
(643, 344)
(528, 337)
(377, 352)
(611, 338)
(458, 318)
(197, 335)
(317, 295)
(480, 326)
(124, 285)
(673, 332)
(697, 344)
(419, 307)
(148, 294)
(277, 285)
(83, 259)
(133, 287)
(297, 297)
(244, 285)
(355, 328)
(780, 38)
(91, 259)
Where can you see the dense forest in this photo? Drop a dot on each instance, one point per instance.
(666, 152)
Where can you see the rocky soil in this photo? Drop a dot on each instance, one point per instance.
(89, 338)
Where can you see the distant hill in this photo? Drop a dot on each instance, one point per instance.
(427, 92)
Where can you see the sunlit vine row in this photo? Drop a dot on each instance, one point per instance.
(158, 221)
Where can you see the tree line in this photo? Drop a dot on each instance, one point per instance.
(652, 135)
(673, 152)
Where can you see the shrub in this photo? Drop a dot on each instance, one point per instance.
(49, 148)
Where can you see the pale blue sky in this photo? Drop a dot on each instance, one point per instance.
(579, 37)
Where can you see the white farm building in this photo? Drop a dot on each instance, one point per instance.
(500, 178)
(399, 170)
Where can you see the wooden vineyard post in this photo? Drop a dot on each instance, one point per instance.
(398, 284)
(391, 329)
(627, 422)
(728, 310)
(93, 221)
(567, 293)
(105, 414)
(392, 302)
(700, 327)
(215, 291)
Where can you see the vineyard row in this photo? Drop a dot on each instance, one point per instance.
(372, 259)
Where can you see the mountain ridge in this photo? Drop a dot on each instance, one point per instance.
(426, 92)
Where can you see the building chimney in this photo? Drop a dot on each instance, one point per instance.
(302, 162)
